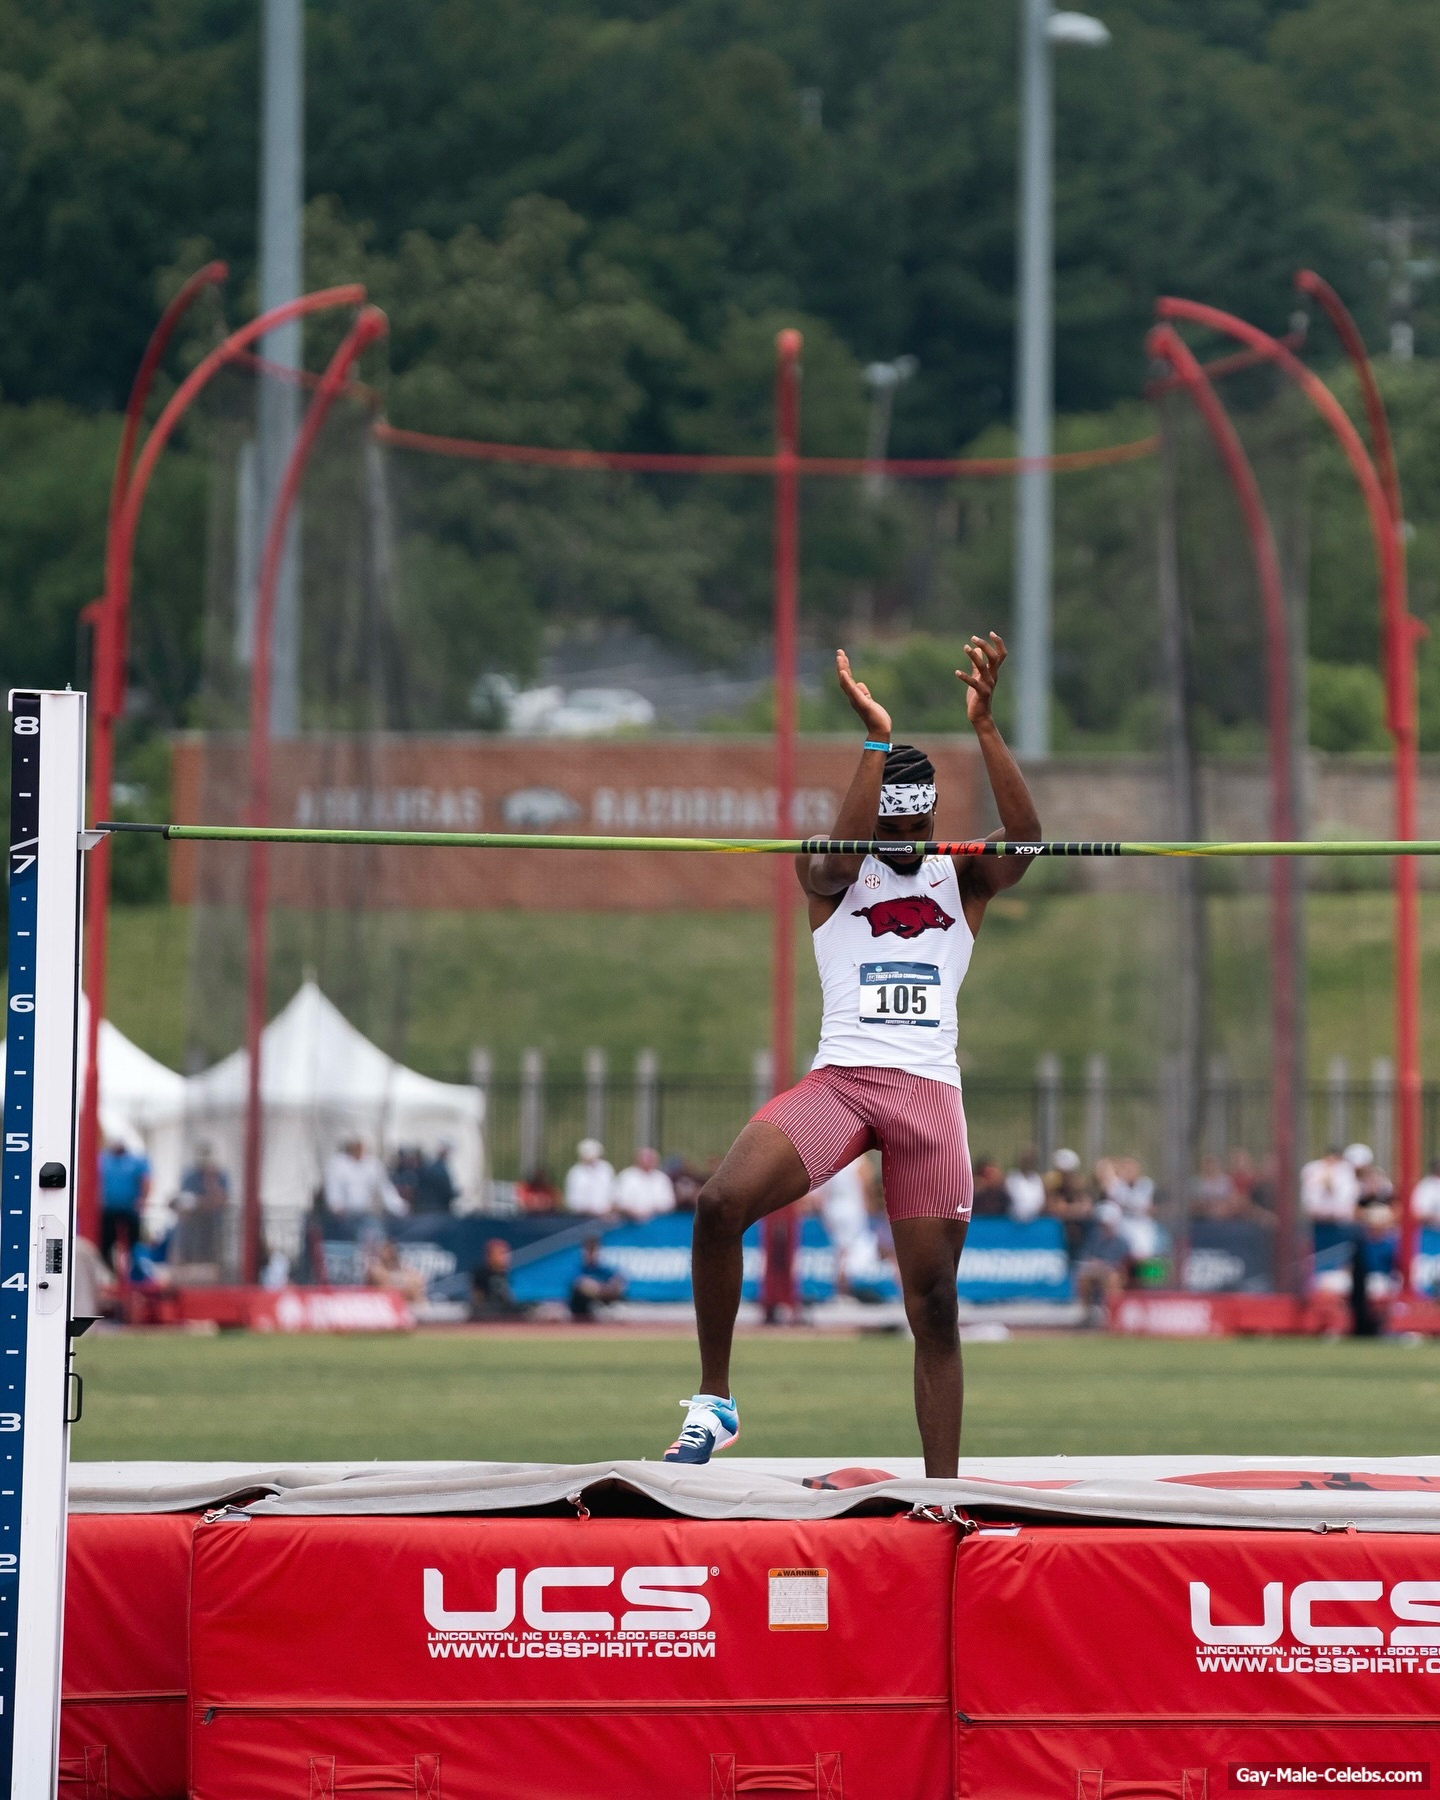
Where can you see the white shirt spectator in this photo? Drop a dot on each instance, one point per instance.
(644, 1189)
(1425, 1200)
(1026, 1188)
(590, 1184)
(357, 1184)
(1329, 1190)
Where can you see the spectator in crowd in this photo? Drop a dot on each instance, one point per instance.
(490, 1294)
(357, 1185)
(435, 1189)
(843, 1203)
(1128, 1201)
(1213, 1194)
(405, 1174)
(992, 1197)
(590, 1182)
(1374, 1267)
(1371, 1182)
(1103, 1266)
(1245, 1178)
(124, 1185)
(1329, 1191)
(201, 1206)
(644, 1189)
(599, 1282)
(1425, 1200)
(1026, 1187)
(537, 1193)
(384, 1269)
(686, 1183)
(1068, 1199)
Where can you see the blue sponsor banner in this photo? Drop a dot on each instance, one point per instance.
(1425, 1269)
(1005, 1260)
(1002, 1261)
(654, 1259)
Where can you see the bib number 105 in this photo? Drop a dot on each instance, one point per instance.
(900, 994)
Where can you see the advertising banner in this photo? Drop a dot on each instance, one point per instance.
(705, 786)
(1002, 1260)
(1229, 1256)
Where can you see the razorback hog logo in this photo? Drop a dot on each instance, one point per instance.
(907, 917)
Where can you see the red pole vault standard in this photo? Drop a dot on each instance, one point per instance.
(108, 702)
(1398, 632)
(1401, 723)
(780, 1229)
(1166, 345)
(119, 569)
(369, 327)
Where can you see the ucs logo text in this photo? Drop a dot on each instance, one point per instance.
(661, 1599)
(1415, 1602)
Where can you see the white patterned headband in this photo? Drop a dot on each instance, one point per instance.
(907, 801)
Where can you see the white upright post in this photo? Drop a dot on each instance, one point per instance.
(37, 1231)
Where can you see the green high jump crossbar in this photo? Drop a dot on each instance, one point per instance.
(818, 846)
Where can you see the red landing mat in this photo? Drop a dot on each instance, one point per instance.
(122, 1723)
(535, 1659)
(1091, 1665)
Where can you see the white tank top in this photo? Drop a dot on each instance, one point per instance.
(891, 958)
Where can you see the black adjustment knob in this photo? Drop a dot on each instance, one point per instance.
(52, 1175)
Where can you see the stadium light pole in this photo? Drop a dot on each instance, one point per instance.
(281, 277)
(1399, 630)
(1040, 30)
(369, 327)
(108, 704)
(778, 1231)
(1166, 345)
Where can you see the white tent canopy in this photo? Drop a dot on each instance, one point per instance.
(136, 1091)
(321, 1082)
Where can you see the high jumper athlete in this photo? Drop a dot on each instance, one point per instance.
(893, 937)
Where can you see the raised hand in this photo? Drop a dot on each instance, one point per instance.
(986, 656)
(872, 714)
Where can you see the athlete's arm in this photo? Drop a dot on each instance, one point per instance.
(825, 878)
(983, 876)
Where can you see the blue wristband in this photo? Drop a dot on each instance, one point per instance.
(870, 744)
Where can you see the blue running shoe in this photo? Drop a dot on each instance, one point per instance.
(711, 1424)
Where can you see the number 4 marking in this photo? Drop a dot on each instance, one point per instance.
(14, 1281)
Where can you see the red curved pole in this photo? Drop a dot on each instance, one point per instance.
(1348, 332)
(1165, 344)
(1398, 630)
(1402, 725)
(119, 561)
(111, 655)
(368, 327)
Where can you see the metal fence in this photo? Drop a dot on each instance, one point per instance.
(536, 1120)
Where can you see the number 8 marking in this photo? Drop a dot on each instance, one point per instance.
(27, 725)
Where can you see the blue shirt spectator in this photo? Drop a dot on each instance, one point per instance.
(124, 1178)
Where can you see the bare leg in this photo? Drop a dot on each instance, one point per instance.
(762, 1173)
(928, 1254)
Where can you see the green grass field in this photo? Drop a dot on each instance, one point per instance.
(571, 1399)
(1073, 973)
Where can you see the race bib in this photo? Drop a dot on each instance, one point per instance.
(900, 993)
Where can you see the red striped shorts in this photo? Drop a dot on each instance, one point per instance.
(834, 1115)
